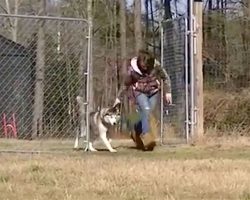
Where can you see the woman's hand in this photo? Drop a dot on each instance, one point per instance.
(168, 98)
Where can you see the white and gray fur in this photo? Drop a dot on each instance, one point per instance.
(100, 123)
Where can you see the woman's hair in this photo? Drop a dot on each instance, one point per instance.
(146, 59)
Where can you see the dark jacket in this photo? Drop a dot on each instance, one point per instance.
(137, 82)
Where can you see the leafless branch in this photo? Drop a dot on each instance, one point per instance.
(3, 8)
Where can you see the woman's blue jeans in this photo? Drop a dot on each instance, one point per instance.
(145, 105)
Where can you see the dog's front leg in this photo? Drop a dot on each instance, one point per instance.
(76, 141)
(91, 148)
(103, 136)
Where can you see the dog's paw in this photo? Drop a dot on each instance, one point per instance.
(113, 150)
(93, 150)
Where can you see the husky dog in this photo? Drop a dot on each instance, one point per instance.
(100, 122)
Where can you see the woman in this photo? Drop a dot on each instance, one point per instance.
(143, 80)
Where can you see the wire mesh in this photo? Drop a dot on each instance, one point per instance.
(42, 65)
(174, 61)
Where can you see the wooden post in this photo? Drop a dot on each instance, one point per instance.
(198, 70)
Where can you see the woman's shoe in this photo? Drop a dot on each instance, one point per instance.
(148, 141)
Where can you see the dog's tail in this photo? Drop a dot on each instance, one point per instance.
(82, 113)
(80, 101)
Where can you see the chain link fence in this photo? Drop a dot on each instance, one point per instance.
(174, 55)
(43, 61)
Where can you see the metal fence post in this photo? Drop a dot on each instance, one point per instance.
(161, 95)
(89, 67)
(191, 62)
(186, 82)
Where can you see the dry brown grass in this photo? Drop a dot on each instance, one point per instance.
(227, 112)
(166, 173)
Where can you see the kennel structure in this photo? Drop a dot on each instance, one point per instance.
(16, 88)
(174, 54)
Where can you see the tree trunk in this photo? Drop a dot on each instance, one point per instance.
(167, 8)
(115, 6)
(147, 21)
(13, 21)
(217, 4)
(37, 127)
(209, 31)
(137, 25)
(224, 48)
(246, 37)
(123, 43)
(39, 87)
(152, 21)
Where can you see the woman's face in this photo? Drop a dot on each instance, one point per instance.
(145, 62)
(142, 65)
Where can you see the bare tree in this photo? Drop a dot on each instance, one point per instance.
(39, 84)
(167, 9)
(245, 35)
(210, 8)
(137, 25)
(146, 18)
(123, 41)
(13, 22)
(152, 21)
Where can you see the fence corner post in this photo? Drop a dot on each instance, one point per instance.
(198, 70)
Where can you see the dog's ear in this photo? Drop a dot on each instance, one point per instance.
(115, 109)
(104, 112)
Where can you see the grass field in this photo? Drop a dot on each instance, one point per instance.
(214, 170)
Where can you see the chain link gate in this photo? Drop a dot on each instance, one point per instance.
(174, 56)
(44, 66)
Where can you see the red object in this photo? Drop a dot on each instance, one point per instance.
(9, 128)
